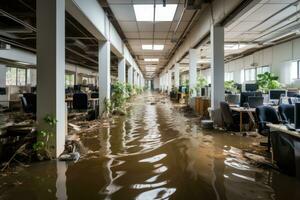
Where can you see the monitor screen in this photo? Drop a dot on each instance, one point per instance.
(2, 91)
(276, 94)
(251, 87)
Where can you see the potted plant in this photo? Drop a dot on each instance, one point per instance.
(230, 86)
(201, 82)
(267, 81)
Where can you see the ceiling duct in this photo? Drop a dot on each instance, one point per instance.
(194, 4)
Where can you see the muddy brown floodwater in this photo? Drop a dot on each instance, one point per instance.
(153, 153)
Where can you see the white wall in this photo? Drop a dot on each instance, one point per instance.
(156, 83)
(278, 57)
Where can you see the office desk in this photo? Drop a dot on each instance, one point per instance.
(241, 111)
(93, 101)
(294, 137)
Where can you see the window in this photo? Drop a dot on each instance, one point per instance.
(21, 76)
(263, 69)
(11, 76)
(295, 70)
(228, 76)
(69, 80)
(250, 74)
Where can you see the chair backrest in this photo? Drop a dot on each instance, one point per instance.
(226, 113)
(233, 99)
(255, 101)
(287, 113)
(266, 114)
(24, 104)
(31, 101)
(80, 101)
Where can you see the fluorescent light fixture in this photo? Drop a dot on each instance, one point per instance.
(204, 61)
(150, 68)
(283, 36)
(156, 47)
(234, 46)
(147, 47)
(165, 14)
(145, 12)
(151, 59)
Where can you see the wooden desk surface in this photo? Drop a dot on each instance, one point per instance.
(283, 128)
(242, 109)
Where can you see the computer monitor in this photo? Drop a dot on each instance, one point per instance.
(245, 95)
(255, 101)
(251, 87)
(292, 93)
(276, 94)
(2, 91)
(77, 88)
(238, 87)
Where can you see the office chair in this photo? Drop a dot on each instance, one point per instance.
(266, 114)
(231, 119)
(28, 101)
(80, 101)
(286, 112)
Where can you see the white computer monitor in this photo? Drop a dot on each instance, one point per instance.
(276, 94)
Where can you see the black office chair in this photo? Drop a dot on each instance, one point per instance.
(266, 114)
(80, 101)
(28, 101)
(286, 112)
(231, 119)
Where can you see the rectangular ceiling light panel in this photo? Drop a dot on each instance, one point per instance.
(156, 47)
(145, 12)
(165, 14)
(151, 59)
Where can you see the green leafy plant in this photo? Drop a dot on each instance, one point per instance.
(267, 81)
(201, 82)
(230, 86)
(44, 137)
(119, 95)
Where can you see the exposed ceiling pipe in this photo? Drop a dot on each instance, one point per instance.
(10, 16)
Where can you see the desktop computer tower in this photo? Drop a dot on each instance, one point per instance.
(297, 116)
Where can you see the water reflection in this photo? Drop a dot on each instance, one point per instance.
(154, 153)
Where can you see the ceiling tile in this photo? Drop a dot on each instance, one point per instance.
(145, 26)
(123, 12)
(128, 26)
(162, 26)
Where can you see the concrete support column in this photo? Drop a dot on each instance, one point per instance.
(193, 70)
(51, 69)
(130, 75)
(2, 76)
(176, 74)
(122, 70)
(104, 74)
(169, 80)
(217, 66)
(135, 78)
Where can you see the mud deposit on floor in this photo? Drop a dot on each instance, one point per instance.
(154, 152)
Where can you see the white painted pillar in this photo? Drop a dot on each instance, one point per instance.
(130, 75)
(217, 66)
(51, 68)
(104, 74)
(176, 74)
(169, 80)
(135, 77)
(122, 70)
(193, 70)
